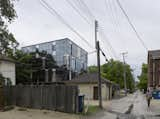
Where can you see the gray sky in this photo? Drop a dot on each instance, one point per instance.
(35, 25)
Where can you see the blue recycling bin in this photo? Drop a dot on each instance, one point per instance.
(156, 94)
(80, 103)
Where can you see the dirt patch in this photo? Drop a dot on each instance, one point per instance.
(36, 114)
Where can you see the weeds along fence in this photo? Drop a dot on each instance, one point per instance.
(52, 97)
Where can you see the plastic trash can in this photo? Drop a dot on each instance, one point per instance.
(80, 103)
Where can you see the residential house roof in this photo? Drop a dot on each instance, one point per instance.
(5, 58)
(88, 78)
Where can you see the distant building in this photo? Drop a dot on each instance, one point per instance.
(7, 69)
(154, 69)
(65, 52)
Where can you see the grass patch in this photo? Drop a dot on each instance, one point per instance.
(92, 109)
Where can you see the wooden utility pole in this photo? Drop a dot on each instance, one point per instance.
(98, 64)
(124, 72)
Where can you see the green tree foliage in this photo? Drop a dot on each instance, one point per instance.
(23, 66)
(92, 69)
(7, 15)
(143, 77)
(28, 64)
(113, 71)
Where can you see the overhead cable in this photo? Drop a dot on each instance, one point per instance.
(131, 24)
(54, 12)
(101, 32)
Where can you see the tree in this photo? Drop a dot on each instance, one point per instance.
(23, 66)
(113, 70)
(92, 69)
(7, 14)
(143, 77)
(28, 64)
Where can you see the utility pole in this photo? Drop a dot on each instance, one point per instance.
(98, 64)
(43, 65)
(124, 72)
(70, 69)
(67, 61)
(44, 68)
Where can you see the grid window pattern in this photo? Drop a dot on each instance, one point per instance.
(59, 49)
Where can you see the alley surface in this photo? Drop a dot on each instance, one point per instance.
(131, 107)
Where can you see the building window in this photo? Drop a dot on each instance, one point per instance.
(54, 53)
(37, 46)
(53, 47)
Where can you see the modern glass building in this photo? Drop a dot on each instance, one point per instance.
(65, 52)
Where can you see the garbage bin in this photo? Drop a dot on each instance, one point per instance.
(80, 103)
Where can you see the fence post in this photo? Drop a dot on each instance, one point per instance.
(76, 99)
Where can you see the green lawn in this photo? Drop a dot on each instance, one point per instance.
(92, 109)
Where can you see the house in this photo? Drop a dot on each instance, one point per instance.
(7, 69)
(88, 86)
(65, 52)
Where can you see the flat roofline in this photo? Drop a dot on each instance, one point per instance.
(152, 51)
(44, 42)
(53, 41)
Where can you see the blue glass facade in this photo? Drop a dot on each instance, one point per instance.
(65, 52)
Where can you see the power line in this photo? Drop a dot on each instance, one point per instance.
(104, 55)
(110, 5)
(70, 3)
(101, 32)
(75, 8)
(86, 8)
(107, 41)
(54, 12)
(131, 24)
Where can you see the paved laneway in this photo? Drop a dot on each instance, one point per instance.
(131, 107)
(114, 108)
(141, 110)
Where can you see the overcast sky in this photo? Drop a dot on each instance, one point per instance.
(35, 25)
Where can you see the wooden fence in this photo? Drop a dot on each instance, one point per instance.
(53, 97)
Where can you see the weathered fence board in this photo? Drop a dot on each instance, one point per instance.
(53, 97)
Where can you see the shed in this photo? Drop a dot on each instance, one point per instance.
(88, 86)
